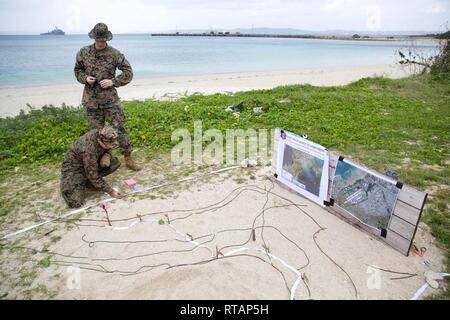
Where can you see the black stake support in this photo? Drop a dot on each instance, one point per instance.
(107, 216)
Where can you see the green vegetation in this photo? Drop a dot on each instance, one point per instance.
(401, 125)
(441, 66)
(438, 65)
(444, 35)
(45, 262)
(402, 118)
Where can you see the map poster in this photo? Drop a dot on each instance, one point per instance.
(302, 169)
(303, 166)
(367, 196)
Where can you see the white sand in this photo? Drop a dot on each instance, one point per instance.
(238, 277)
(13, 100)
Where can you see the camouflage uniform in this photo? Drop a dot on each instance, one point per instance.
(81, 169)
(104, 104)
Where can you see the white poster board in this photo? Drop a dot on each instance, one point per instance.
(368, 200)
(303, 166)
(365, 194)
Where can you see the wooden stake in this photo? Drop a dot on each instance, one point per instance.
(107, 215)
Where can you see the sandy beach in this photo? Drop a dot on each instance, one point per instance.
(15, 99)
(198, 244)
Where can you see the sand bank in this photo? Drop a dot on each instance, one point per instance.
(13, 100)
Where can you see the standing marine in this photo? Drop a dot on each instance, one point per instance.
(95, 68)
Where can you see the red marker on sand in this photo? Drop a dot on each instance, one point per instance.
(104, 206)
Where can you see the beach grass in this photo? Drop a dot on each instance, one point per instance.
(400, 125)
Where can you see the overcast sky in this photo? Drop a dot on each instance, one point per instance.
(139, 16)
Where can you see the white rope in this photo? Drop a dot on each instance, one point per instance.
(184, 180)
(299, 275)
(133, 224)
(13, 234)
(425, 286)
(235, 251)
(420, 291)
(188, 238)
(71, 213)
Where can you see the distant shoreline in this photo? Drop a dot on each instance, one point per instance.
(15, 99)
(355, 37)
(363, 37)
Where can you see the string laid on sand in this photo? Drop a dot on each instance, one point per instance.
(299, 275)
(191, 240)
(425, 286)
(71, 213)
(87, 261)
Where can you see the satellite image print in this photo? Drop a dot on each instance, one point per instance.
(367, 197)
(302, 169)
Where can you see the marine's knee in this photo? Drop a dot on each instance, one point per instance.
(72, 191)
(121, 130)
(95, 119)
(95, 123)
(117, 118)
(73, 199)
(75, 204)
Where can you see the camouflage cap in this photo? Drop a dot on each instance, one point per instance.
(100, 32)
(108, 135)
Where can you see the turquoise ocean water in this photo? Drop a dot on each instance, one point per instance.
(47, 60)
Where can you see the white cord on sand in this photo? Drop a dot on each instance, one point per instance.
(188, 238)
(299, 275)
(420, 291)
(13, 234)
(70, 213)
(424, 287)
(133, 224)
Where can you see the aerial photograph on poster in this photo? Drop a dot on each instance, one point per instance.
(302, 169)
(367, 197)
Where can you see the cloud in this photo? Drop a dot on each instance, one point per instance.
(73, 18)
(335, 4)
(373, 21)
(436, 8)
(78, 16)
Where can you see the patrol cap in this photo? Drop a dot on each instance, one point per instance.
(100, 32)
(108, 135)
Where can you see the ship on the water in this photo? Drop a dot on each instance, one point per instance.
(54, 32)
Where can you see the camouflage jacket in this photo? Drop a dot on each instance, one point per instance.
(101, 64)
(84, 157)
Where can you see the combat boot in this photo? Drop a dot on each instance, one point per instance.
(130, 163)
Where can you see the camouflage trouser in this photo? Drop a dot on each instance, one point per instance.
(115, 116)
(74, 184)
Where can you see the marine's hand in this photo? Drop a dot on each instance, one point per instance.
(105, 160)
(117, 195)
(106, 83)
(90, 79)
